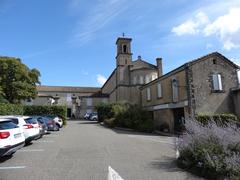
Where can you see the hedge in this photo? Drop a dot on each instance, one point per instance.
(60, 111)
(220, 119)
(11, 109)
(14, 109)
(126, 116)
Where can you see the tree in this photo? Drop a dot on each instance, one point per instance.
(17, 81)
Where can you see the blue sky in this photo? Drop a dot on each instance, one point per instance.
(72, 42)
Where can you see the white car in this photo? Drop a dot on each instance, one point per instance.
(30, 132)
(11, 137)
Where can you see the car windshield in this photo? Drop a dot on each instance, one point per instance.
(31, 121)
(7, 125)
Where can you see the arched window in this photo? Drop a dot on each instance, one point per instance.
(124, 48)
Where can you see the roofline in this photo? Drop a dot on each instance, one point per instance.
(84, 87)
(109, 78)
(130, 39)
(146, 62)
(190, 63)
(165, 75)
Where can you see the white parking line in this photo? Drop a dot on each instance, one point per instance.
(12, 167)
(113, 175)
(44, 141)
(30, 150)
(167, 141)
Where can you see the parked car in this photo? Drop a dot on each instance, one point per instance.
(11, 137)
(93, 116)
(51, 124)
(58, 120)
(33, 121)
(43, 125)
(30, 133)
(87, 115)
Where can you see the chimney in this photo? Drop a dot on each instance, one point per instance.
(159, 66)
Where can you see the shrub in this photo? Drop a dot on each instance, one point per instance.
(220, 119)
(110, 122)
(211, 150)
(60, 111)
(126, 115)
(11, 109)
(104, 111)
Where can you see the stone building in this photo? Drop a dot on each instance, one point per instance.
(78, 100)
(128, 76)
(202, 86)
(206, 85)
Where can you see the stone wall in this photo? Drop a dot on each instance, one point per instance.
(206, 100)
(236, 99)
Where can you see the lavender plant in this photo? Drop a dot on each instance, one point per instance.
(211, 149)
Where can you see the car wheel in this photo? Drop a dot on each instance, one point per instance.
(56, 128)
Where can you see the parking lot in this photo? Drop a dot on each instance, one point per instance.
(85, 150)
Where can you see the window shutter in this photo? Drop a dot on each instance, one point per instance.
(141, 79)
(217, 82)
(159, 90)
(148, 94)
(220, 82)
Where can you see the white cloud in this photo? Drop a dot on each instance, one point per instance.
(227, 28)
(101, 79)
(191, 26)
(101, 14)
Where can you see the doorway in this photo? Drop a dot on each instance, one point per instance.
(69, 112)
(179, 119)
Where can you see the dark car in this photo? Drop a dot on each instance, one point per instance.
(51, 124)
(43, 124)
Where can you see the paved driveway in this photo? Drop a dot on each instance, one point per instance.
(84, 150)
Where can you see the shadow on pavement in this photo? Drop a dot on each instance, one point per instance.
(5, 158)
(88, 122)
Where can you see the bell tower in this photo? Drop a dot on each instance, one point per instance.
(124, 54)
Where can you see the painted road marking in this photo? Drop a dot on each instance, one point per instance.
(113, 175)
(43, 141)
(30, 150)
(154, 140)
(12, 167)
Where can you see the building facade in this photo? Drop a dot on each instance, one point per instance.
(79, 100)
(206, 85)
(202, 86)
(128, 76)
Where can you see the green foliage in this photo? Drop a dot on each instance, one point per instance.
(17, 81)
(110, 122)
(60, 111)
(220, 119)
(104, 111)
(11, 109)
(126, 115)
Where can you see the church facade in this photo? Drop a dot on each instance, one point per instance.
(206, 85)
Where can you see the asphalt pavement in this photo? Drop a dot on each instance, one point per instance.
(85, 150)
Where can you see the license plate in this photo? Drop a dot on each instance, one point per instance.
(17, 135)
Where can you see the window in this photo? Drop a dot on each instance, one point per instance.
(141, 80)
(217, 82)
(135, 80)
(214, 61)
(124, 48)
(147, 79)
(159, 90)
(148, 94)
(154, 76)
(125, 61)
(174, 90)
(238, 75)
(89, 101)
